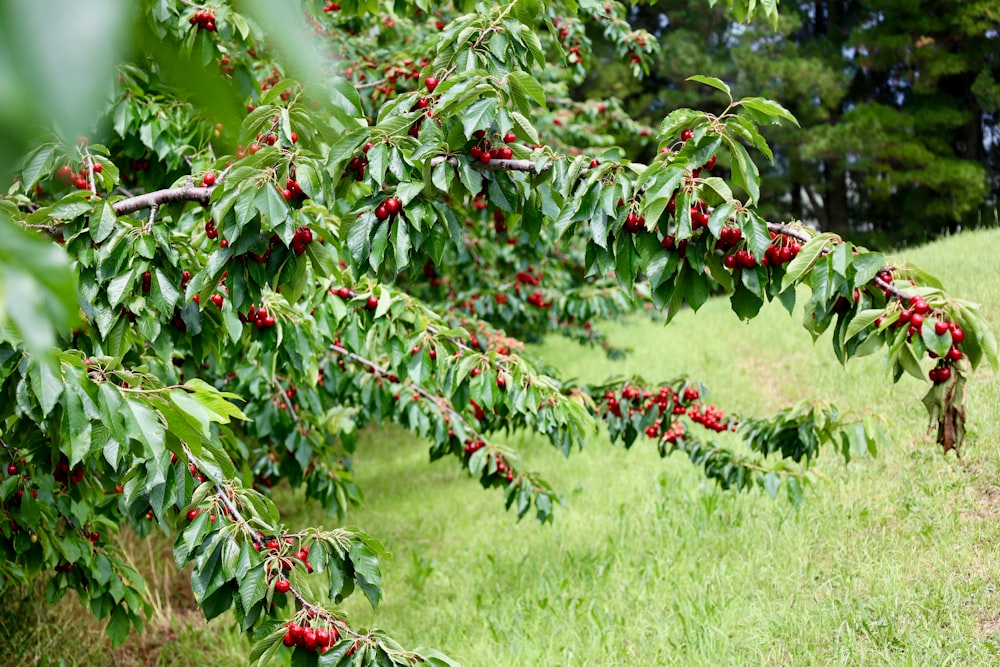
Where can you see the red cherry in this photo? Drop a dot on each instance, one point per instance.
(381, 212)
(509, 138)
(11, 469)
(941, 327)
(917, 320)
(217, 300)
(943, 374)
(954, 353)
(273, 545)
(506, 153)
(282, 585)
(710, 165)
(288, 640)
(431, 82)
(193, 514)
(392, 205)
(208, 179)
(372, 303)
(254, 148)
(295, 137)
(687, 134)
(957, 335)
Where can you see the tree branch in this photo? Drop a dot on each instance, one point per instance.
(158, 197)
(495, 164)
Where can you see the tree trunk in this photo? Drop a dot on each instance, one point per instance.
(836, 210)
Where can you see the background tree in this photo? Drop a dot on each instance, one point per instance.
(264, 265)
(897, 102)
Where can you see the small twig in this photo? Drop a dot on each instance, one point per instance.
(370, 84)
(286, 399)
(442, 403)
(148, 227)
(788, 230)
(89, 161)
(895, 291)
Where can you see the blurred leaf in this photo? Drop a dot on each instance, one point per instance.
(37, 285)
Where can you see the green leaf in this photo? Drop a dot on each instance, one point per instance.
(143, 426)
(909, 362)
(712, 82)
(769, 108)
(76, 428)
(527, 84)
(745, 173)
(772, 483)
(478, 116)
(46, 383)
(118, 626)
(803, 263)
(756, 233)
(105, 225)
(862, 321)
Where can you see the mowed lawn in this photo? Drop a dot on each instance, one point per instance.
(890, 561)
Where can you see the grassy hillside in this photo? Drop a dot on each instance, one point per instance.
(890, 561)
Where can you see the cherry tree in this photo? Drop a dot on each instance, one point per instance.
(285, 224)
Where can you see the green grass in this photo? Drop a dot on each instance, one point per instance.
(891, 561)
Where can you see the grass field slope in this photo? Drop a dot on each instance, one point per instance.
(890, 561)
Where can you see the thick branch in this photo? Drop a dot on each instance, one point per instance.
(495, 164)
(158, 197)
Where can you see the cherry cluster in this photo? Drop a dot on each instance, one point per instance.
(528, 277)
(484, 151)
(259, 317)
(269, 82)
(389, 208)
(537, 299)
(634, 223)
(503, 472)
(65, 174)
(711, 418)
(311, 639)
(500, 225)
(332, 7)
(64, 474)
(782, 250)
(668, 403)
(359, 163)
(407, 70)
(303, 237)
(570, 32)
(914, 315)
(211, 232)
(204, 20)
